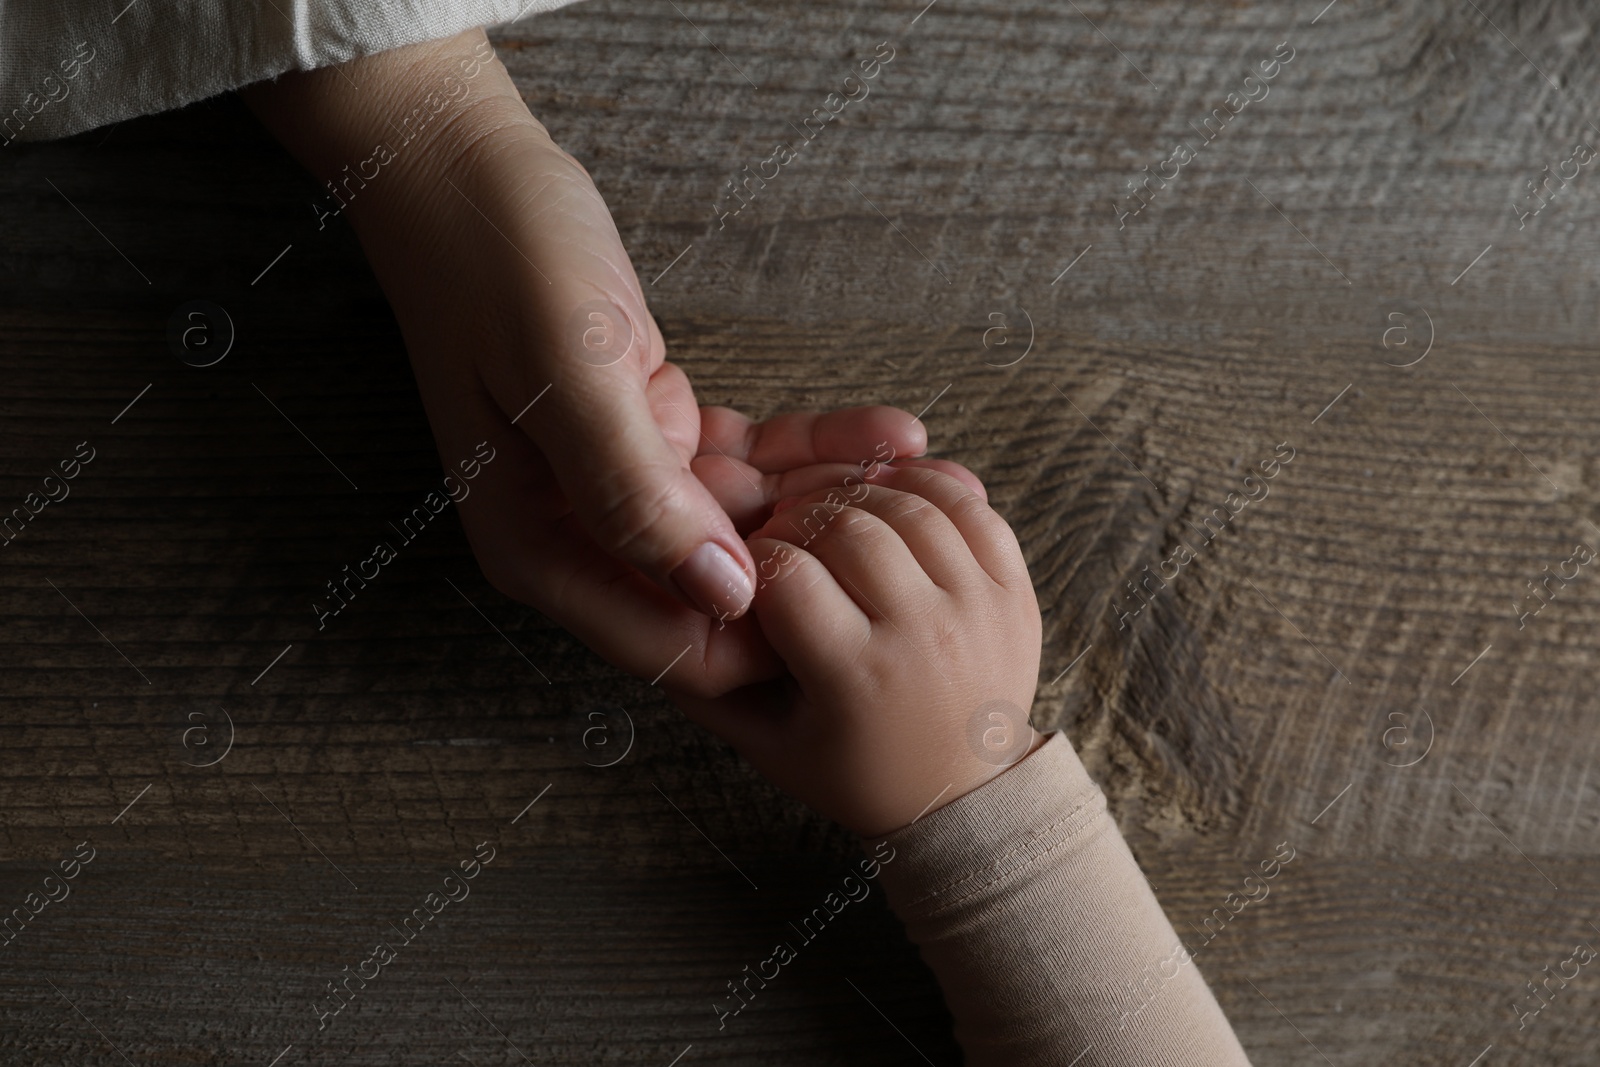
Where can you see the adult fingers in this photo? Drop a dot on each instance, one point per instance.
(861, 435)
(532, 548)
(749, 495)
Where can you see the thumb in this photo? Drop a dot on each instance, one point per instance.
(595, 344)
(631, 491)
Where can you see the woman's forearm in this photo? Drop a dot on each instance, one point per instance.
(388, 134)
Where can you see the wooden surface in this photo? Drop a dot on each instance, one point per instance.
(1250, 704)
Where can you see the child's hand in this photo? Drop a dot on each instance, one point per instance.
(908, 623)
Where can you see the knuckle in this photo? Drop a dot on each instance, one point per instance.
(631, 512)
(573, 164)
(854, 523)
(810, 524)
(907, 506)
(915, 479)
(971, 508)
(949, 638)
(566, 187)
(478, 128)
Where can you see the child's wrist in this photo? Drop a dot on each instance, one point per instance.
(991, 772)
(894, 813)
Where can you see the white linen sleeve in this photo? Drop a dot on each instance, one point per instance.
(70, 65)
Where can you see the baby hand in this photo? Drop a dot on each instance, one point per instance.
(904, 612)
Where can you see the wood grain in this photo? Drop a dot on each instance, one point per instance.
(1248, 704)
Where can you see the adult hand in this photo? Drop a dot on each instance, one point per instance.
(527, 328)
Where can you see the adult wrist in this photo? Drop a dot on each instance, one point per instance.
(385, 134)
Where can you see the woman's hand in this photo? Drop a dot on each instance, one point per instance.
(526, 327)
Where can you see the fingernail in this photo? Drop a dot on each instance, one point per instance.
(713, 581)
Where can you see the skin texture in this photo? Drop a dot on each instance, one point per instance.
(497, 252)
(908, 613)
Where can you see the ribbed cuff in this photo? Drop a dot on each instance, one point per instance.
(1043, 932)
(993, 832)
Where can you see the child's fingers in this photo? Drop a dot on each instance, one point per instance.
(748, 495)
(945, 466)
(863, 553)
(939, 548)
(989, 538)
(807, 617)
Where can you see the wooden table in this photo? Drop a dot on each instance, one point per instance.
(1350, 668)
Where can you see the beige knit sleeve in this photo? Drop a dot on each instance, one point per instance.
(1044, 934)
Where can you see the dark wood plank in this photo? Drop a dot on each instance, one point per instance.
(1249, 704)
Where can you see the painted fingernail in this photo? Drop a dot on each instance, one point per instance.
(713, 581)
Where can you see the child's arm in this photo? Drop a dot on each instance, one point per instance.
(906, 617)
(1045, 936)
